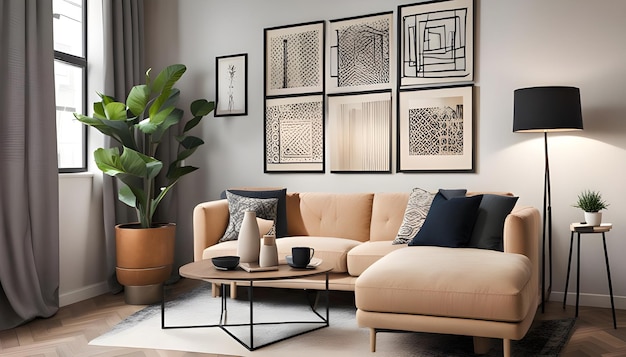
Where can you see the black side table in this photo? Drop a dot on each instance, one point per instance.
(582, 229)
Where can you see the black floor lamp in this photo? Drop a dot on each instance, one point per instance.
(544, 109)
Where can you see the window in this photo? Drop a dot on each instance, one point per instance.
(70, 75)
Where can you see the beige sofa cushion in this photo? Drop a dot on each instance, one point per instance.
(340, 215)
(367, 253)
(220, 249)
(450, 282)
(387, 215)
(329, 249)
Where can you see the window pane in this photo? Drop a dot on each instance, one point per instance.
(68, 26)
(69, 100)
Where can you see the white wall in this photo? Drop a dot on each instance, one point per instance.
(517, 43)
(81, 240)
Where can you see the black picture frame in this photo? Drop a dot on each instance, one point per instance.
(294, 135)
(435, 43)
(294, 59)
(360, 131)
(435, 128)
(231, 85)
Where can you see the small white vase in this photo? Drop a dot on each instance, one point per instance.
(249, 241)
(269, 253)
(593, 218)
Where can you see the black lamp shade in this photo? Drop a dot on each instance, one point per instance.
(539, 109)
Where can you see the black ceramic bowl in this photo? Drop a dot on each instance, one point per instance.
(226, 262)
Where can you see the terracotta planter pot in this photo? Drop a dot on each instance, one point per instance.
(144, 255)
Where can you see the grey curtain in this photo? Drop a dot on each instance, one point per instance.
(29, 202)
(123, 22)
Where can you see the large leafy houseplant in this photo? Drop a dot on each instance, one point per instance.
(140, 125)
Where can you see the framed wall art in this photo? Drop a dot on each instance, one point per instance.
(294, 134)
(359, 130)
(231, 93)
(294, 59)
(360, 56)
(436, 130)
(436, 42)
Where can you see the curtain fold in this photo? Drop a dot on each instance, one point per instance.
(123, 25)
(29, 202)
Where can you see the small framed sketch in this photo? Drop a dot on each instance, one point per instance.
(359, 130)
(435, 130)
(231, 91)
(360, 53)
(436, 42)
(294, 59)
(294, 134)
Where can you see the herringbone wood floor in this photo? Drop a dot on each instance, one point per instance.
(70, 330)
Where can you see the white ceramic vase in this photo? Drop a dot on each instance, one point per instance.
(593, 218)
(248, 241)
(269, 253)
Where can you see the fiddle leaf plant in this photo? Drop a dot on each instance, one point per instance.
(140, 125)
(591, 201)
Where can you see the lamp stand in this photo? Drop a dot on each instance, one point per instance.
(547, 223)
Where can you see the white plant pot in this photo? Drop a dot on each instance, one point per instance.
(593, 218)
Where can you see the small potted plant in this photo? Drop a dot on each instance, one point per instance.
(592, 203)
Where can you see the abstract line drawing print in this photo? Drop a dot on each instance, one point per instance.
(436, 131)
(360, 52)
(437, 43)
(294, 132)
(294, 60)
(360, 130)
(231, 85)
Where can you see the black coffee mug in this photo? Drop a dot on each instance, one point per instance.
(301, 256)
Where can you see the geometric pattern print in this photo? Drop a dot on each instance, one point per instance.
(416, 211)
(436, 131)
(295, 60)
(237, 205)
(363, 53)
(294, 133)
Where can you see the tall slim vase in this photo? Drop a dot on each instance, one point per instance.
(249, 241)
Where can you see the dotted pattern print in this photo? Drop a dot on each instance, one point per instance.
(363, 53)
(294, 133)
(295, 60)
(436, 131)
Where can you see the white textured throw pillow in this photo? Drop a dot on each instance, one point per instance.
(264, 207)
(414, 215)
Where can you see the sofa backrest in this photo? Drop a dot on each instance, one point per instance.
(341, 215)
(359, 216)
(387, 214)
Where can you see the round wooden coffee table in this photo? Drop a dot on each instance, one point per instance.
(205, 270)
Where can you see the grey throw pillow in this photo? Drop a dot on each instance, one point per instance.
(416, 211)
(237, 205)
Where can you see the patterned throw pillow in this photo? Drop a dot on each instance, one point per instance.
(264, 207)
(414, 215)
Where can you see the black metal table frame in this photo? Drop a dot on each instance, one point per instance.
(323, 322)
(569, 264)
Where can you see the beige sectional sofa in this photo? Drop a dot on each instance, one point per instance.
(467, 291)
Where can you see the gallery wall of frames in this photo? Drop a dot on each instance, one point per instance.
(433, 67)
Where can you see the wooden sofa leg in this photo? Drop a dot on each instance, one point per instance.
(373, 339)
(506, 347)
(481, 345)
(233, 290)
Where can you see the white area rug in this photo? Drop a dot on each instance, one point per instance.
(343, 337)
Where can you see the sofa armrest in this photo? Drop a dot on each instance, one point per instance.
(521, 235)
(210, 220)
